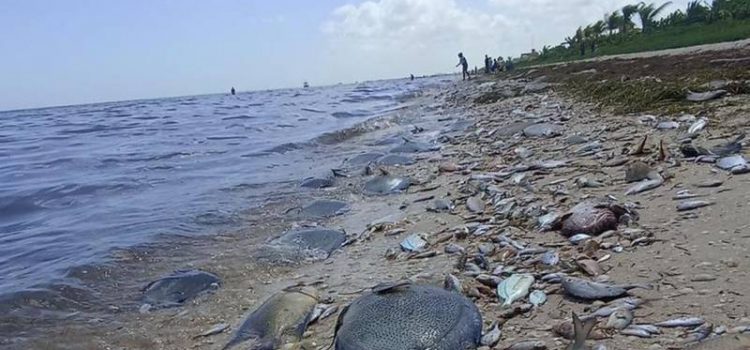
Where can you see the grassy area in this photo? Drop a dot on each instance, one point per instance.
(669, 38)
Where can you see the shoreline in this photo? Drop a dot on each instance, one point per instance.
(683, 243)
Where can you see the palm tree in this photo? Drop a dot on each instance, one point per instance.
(595, 32)
(648, 14)
(580, 37)
(697, 12)
(613, 22)
(627, 17)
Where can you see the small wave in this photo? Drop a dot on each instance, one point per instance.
(349, 114)
(356, 130)
(94, 128)
(312, 110)
(285, 126)
(239, 117)
(286, 147)
(17, 206)
(214, 138)
(255, 104)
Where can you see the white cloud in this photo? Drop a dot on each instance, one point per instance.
(387, 38)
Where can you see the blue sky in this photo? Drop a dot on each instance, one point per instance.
(60, 52)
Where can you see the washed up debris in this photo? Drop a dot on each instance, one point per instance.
(710, 183)
(537, 298)
(441, 205)
(550, 258)
(589, 290)
(654, 180)
(705, 96)
(492, 336)
(584, 182)
(414, 317)
(681, 322)
(177, 288)
(630, 303)
(615, 162)
(514, 288)
(280, 321)
(386, 184)
(723, 150)
(589, 266)
(548, 221)
(698, 125)
(694, 204)
(699, 333)
(414, 243)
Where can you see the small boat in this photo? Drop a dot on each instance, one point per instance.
(305, 85)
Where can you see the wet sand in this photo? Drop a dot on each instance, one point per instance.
(697, 261)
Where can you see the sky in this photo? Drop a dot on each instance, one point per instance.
(82, 51)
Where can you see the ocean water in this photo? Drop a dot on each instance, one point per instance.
(79, 181)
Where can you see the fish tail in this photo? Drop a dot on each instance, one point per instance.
(581, 330)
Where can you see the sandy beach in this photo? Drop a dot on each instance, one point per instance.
(696, 261)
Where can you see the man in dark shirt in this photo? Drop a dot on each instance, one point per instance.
(464, 65)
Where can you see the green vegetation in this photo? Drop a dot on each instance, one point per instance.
(700, 23)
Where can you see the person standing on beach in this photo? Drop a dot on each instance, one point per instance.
(233, 92)
(464, 66)
(486, 64)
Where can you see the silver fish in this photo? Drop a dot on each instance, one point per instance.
(491, 337)
(646, 327)
(589, 290)
(537, 297)
(620, 319)
(453, 284)
(725, 342)
(681, 322)
(644, 186)
(690, 205)
(555, 277)
(414, 243)
(731, 162)
(578, 238)
(699, 333)
(636, 332)
(514, 287)
(698, 125)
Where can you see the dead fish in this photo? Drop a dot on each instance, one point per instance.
(725, 342)
(637, 171)
(732, 162)
(667, 125)
(591, 217)
(646, 327)
(279, 322)
(699, 333)
(698, 125)
(537, 297)
(213, 330)
(514, 287)
(685, 194)
(644, 186)
(635, 332)
(584, 182)
(681, 322)
(615, 162)
(690, 205)
(548, 221)
(452, 248)
(589, 290)
(704, 96)
(414, 243)
(555, 277)
(492, 336)
(453, 284)
(578, 238)
(529, 345)
(581, 331)
(620, 319)
(550, 258)
(475, 204)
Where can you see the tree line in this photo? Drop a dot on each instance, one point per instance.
(618, 26)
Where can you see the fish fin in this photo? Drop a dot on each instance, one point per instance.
(581, 330)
